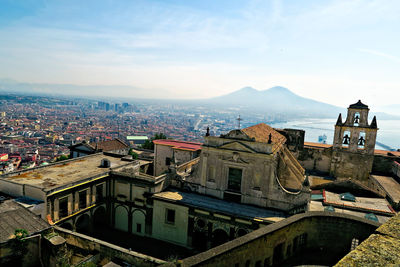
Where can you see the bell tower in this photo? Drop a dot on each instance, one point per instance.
(354, 143)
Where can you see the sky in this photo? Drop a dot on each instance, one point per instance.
(335, 51)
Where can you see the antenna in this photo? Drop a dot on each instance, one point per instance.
(239, 119)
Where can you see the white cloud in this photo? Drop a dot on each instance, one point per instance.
(380, 54)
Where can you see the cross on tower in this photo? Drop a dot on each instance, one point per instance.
(239, 119)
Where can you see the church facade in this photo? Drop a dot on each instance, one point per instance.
(250, 166)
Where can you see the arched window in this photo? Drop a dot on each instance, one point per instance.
(356, 121)
(346, 138)
(361, 140)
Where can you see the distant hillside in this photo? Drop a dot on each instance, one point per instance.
(392, 109)
(277, 99)
(8, 85)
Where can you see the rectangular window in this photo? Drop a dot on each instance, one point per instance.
(235, 179)
(167, 161)
(170, 216)
(63, 207)
(138, 227)
(99, 192)
(82, 199)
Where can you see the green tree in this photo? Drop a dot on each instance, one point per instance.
(62, 157)
(133, 154)
(149, 143)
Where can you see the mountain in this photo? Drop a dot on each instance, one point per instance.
(392, 109)
(276, 99)
(8, 85)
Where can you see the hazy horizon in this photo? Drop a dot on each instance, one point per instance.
(333, 51)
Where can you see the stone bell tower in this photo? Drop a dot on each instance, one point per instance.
(354, 144)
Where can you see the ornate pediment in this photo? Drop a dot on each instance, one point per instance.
(237, 146)
(235, 158)
(238, 135)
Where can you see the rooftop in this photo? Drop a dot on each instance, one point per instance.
(316, 205)
(358, 105)
(65, 172)
(13, 216)
(130, 137)
(370, 205)
(221, 206)
(389, 185)
(181, 145)
(260, 132)
(110, 145)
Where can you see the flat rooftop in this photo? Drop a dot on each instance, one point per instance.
(65, 172)
(221, 206)
(318, 206)
(371, 205)
(389, 185)
(181, 145)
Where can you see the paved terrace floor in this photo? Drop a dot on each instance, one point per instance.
(64, 173)
(221, 206)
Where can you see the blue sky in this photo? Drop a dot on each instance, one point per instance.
(333, 51)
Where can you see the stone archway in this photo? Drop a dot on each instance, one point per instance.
(219, 237)
(138, 222)
(99, 216)
(100, 219)
(121, 218)
(82, 224)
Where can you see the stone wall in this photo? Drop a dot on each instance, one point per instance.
(351, 165)
(319, 238)
(383, 164)
(315, 160)
(29, 249)
(161, 152)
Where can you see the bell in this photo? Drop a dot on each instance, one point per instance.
(346, 140)
(357, 119)
(361, 141)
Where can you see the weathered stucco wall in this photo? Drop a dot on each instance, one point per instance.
(176, 232)
(351, 165)
(315, 159)
(161, 153)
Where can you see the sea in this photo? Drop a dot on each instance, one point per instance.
(388, 131)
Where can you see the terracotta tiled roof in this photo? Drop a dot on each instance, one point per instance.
(260, 132)
(312, 144)
(181, 145)
(14, 216)
(111, 145)
(387, 153)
